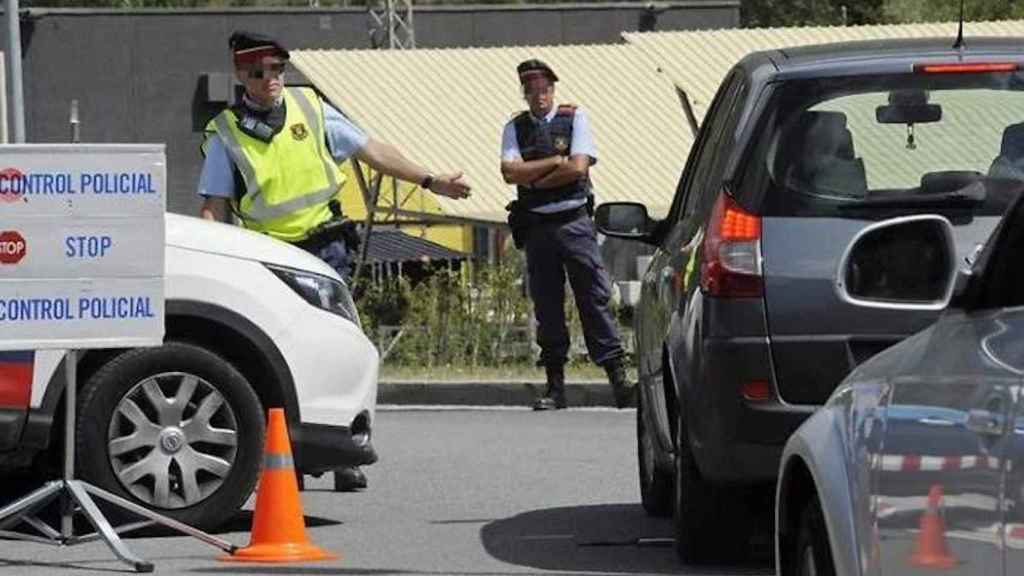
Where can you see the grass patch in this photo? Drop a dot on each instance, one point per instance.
(573, 372)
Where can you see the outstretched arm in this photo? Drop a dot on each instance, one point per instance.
(385, 158)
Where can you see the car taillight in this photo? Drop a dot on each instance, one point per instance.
(756, 391)
(966, 68)
(730, 264)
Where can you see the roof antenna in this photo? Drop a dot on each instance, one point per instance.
(959, 44)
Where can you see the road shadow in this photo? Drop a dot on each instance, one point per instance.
(612, 538)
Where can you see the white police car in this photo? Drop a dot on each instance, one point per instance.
(251, 323)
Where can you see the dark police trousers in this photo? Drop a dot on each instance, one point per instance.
(555, 249)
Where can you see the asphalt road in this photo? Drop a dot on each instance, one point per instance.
(485, 493)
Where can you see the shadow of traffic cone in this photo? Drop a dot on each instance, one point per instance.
(931, 550)
(278, 526)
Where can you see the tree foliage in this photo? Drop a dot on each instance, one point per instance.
(779, 13)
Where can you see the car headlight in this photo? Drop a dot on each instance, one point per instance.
(320, 291)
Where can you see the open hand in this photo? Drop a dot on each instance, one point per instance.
(451, 185)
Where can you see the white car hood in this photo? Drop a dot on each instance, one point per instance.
(201, 235)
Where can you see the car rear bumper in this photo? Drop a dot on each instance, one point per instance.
(318, 448)
(736, 441)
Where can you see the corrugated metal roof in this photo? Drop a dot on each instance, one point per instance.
(397, 246)
(697, 61)
(446, 108)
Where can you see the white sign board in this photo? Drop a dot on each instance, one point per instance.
(82, 245)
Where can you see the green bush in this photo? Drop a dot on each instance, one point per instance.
(478, 316)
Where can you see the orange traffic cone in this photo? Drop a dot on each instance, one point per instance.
(278, 526)
(931, 550)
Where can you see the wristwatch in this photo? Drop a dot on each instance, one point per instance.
(427, 182)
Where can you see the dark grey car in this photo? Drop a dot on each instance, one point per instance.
(740, 333)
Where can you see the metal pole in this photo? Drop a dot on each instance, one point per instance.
(3, 102)
(70, 377)
(74, 122)
(14, 60)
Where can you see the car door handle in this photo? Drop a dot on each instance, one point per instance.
(933, 421)
(984, 422)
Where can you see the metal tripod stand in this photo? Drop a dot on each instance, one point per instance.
(78, 497)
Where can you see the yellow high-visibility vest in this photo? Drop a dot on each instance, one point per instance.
(289, 180)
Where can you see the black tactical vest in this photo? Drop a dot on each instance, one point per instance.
(541, 140)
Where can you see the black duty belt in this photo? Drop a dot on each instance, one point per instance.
(558, 217)
(327, 232)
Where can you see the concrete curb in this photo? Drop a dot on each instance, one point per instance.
(500, 393)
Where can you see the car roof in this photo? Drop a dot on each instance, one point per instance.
(869, 56)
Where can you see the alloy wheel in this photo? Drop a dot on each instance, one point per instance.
(173, 440)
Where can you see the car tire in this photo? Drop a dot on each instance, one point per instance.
(196, 462)
(702, 513)
(812, 555)
(655, 484)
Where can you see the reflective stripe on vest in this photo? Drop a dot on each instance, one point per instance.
(290, 179)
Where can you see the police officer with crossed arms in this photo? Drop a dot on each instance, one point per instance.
(547, 152)
(272, 160)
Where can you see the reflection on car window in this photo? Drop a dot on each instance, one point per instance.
(903, 143)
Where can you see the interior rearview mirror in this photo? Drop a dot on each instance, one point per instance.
(623, 220)
(912, 114)
(904, 263)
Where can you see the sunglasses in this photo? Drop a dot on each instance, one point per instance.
(270, 70)
(537, 87)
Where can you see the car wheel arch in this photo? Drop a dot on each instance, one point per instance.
(795, 485)
(200, 323)
(838, 511)
(253, 353)
(671, 389)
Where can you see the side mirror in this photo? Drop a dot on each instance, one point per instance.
(906, 263)
(623, 220)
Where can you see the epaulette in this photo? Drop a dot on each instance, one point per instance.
(566, 109)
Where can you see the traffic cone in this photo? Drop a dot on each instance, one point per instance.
(931, 550)
(278, 526)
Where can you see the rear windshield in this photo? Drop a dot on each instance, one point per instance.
(877, 146)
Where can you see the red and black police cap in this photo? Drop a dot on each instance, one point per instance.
(248, 47)
(530, 68)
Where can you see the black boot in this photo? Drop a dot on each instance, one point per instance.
(554, 396)
(620, 386)
(349, 479)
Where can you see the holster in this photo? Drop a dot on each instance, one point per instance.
(518, 223)
(521, 220)
(337, 228)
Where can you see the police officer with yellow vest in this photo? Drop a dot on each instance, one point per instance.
(272, 160)
(547, 152)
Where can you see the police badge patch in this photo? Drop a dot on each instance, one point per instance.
(561, 144)
(299, 131)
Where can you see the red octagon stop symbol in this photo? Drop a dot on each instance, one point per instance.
(12, 247)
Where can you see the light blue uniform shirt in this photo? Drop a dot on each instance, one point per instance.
(582, 143)
(217, 179)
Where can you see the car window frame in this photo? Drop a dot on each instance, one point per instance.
(706, 186)
(683, 189)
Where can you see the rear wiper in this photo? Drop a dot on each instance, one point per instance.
(967, 196)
